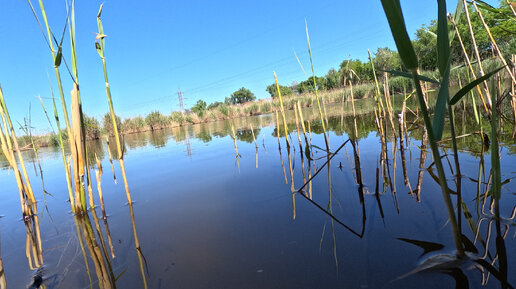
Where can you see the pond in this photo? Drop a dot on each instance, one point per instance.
(211, 212)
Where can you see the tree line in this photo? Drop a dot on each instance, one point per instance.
(356, 71)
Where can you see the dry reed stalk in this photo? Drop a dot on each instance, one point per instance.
(95, 253)
(105, 258)
(479, 60)
(422, 168)
(354, 112)
(81, 244)
(110, 241)
(388, 101)
(77, 152)
(8, 125)
(468, 61)
(292, 184)
(33, 249)
(282, 110)
(496, 49)
(301, 118)
(297, 130)
(98, 176)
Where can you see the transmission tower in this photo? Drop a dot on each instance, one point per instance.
(180, 98)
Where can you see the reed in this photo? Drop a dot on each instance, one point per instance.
(488, 105)
(100, 46)
(282, 111)
(323, 118)
(394, 15)
(57, 58)
(11, 151)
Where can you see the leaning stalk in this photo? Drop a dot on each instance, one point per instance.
(100, 49)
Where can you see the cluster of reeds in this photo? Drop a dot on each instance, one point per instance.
(444, 108)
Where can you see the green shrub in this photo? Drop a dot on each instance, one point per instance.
(177, 117)
(156, 120)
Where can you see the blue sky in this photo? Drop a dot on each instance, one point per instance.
(207, 48)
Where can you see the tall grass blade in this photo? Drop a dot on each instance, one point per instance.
(443, 42)
(440, 105)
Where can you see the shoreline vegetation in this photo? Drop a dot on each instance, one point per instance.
(202, 113)
(367, 78)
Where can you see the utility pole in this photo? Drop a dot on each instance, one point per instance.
(180, 98)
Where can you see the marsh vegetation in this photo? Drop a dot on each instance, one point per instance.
(410, 187)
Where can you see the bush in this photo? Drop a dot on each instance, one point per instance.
(266, 107)
(177, 117)
(108, 125)
(134, 124)
(199, 108)
(91, 127)
(156, 120)
(400, 83)
(224, 109)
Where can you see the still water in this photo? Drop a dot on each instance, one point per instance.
(206, 217)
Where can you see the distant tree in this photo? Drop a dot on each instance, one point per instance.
(108, 125)
(332, 79)
(425, 46)
(273, 91)
(199, 108)
(92, 127)
(355, 71)
(215, 105)
(242, 95)
(156, 120)
(387, 59)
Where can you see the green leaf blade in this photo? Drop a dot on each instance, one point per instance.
(443, 42)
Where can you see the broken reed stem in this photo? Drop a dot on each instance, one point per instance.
(254, 137)
(98, 176)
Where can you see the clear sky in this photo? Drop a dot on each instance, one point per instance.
(207, 48)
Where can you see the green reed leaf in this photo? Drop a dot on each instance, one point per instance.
(440, 104)
(59, 56)
(443, 42)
